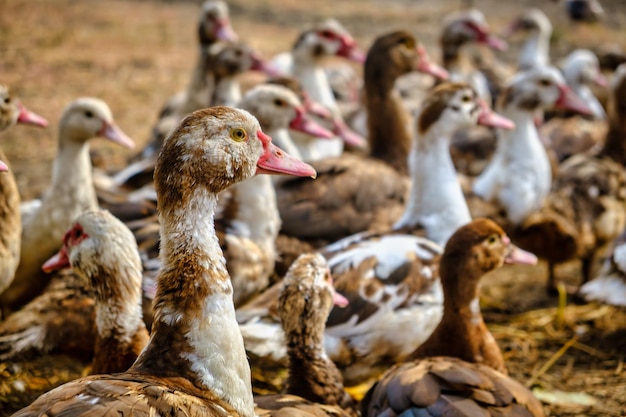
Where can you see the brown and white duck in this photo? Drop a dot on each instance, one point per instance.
(536, 29)
(519, 177)
(572, 134)
(95, 315)
(12, 111)
(459, 370)
(391, 278)
(70, 193)
(585, 208)
(338, 203)
(195, 362)
(459, 30)
(305, 63)
(314, 385)
(609, 285)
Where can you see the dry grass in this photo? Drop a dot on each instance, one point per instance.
(135, 54)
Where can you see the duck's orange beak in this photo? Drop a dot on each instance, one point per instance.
(276, 161)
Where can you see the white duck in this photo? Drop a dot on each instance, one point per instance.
(12, 111)
(327, 38)
(391, 278)
(536, 28)
(195, 362)
(70, 193)
(519, 176)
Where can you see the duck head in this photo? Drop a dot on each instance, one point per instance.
(469, 26)
(328, 38)
(214, 23)
(12, 111)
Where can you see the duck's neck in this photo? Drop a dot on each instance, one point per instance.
(462, 332)
(314, 81)
(195, 333)
(71, 174)
(121, 333)
(436, 200)
(257, 212)
(312, 375)
(535, 51)
(456, 61)
(227, 92)
(388, 126)
(200, 89)
(523, 142)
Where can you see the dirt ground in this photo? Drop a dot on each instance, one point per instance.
(135, 54)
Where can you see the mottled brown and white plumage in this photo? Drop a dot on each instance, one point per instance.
(102, 251)
(314, 382)
(337, 203)
(195, 362)
(460, 368)
(12, 111)
(70, 193)
(585, 208)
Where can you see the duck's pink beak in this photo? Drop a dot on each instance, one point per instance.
(3, 167)
(350, 50)
(339, 300)
(600, 80)
(427, 66)
(483, 36)
(315, 108)
(516, 255)
(259, 64)
(488, 117)
(304, 124)
(28, 117)
(275, 161)
(58, 261)
(568, 100)
(349, 136)
(224, 31)
(110, 131)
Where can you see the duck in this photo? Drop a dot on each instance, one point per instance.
(390, 278)
(248, 221)
(103, 254)
(337, 204)
(12, 111)
(314, 385)
(305, 62)
(214, 23)
(536, 28)
(584, 210)
(468, 376)
(575, 134)
(519, 176)
(458, 30)
(195, 361)
(70, 193)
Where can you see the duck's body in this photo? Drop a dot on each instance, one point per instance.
(188, 367)
(519, 177)
(469, 374)
(11, 112)
(314, 381)
(585, 208)
(337, 203)
(70, 193)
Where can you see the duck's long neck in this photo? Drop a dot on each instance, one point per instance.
(227, 92)
(388, 124)
(462, 318)
(535, 51)
(456, 61)
(195, 333)
(200, 89)
(436, 200)
(312, 375)
(121, 333)
(257, 212)
(71, 173)
(314, 81)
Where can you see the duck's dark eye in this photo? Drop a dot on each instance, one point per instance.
(238, 134)
(492, 239)
(278, 102)
(408, 42)
(544, 82)
(7, 100)
(327, 34)
(88, 114)
(466, 99)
